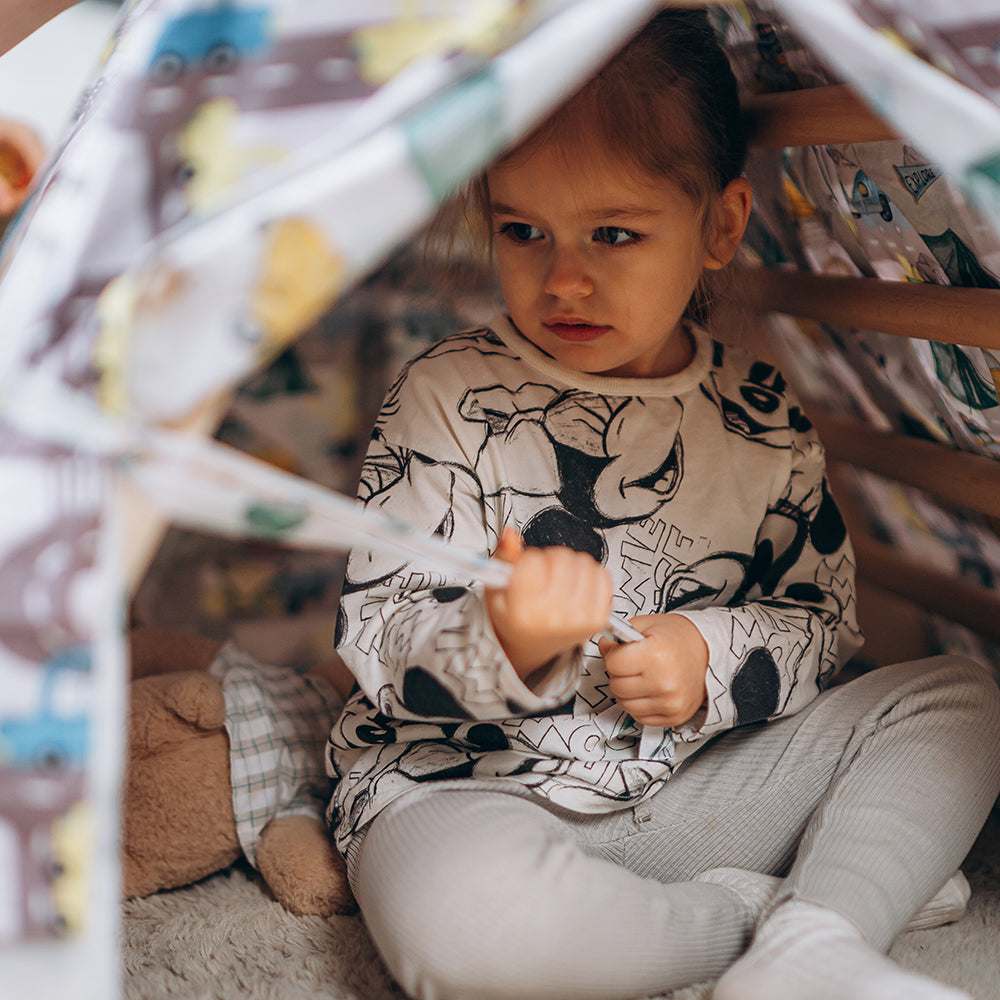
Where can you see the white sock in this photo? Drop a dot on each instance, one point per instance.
(756, 890)
(807, 952)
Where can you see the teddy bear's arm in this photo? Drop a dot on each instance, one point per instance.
(300, 865)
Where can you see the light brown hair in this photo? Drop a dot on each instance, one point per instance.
(667, 105)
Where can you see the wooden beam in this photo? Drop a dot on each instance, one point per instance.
(143, 527)
(818, 116)
(946, 313)
(896, 630)
(957, 477)
(953, 597)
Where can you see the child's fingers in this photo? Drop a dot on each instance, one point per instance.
(510, 546)
(625, 663)
(509, 549)
(622, 659)
(631, 686)
(21, 154)
(661, 710)
(649, 712)
(555, 593)
(607, 646)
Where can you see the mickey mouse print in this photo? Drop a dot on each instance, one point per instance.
(702, 492)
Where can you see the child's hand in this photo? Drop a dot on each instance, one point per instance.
(659, 681)
(557, 599)
(21, 154)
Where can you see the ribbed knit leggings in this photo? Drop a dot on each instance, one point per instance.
(868, 800)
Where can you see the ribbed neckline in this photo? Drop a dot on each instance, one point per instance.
(607, 385)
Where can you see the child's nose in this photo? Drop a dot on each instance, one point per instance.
(568, 275)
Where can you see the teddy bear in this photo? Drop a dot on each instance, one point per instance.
(183, 817)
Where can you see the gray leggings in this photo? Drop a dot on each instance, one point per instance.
(868, 800)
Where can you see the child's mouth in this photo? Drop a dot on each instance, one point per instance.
(576, 331)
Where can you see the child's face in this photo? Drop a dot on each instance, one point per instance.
(597, 263)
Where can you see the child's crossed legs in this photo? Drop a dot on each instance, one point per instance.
(877, 791)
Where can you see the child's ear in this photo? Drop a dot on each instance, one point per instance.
(731, 214)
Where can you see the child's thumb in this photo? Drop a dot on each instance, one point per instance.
(511, 545)
(21, 154)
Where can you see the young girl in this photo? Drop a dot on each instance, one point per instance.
(528, 812)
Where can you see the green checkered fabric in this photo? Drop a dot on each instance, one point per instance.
(278, 722)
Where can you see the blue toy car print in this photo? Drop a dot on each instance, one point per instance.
(215, 38)
(867, 198)
(48, 739)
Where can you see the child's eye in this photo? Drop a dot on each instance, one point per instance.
(520, 232)
(615, 236)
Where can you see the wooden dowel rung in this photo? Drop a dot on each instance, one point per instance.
(818, 116)
(946, 313)
(144, 527)
(952, 597)
(957, 477)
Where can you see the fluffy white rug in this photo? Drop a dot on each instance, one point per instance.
(226, 939)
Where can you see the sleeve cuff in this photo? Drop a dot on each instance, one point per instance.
(719, 712)
(551, 687)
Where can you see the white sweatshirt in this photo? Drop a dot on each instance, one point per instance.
(703, 493)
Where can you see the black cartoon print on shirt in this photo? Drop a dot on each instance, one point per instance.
(600, 477)
(391, 474)
(603, 474)
(766, 578)
(586, 477)
(584, 468)
(761, 395)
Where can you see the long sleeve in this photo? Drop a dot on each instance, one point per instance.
(792, 622)
(422, 647)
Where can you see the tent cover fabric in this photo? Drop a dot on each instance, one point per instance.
(234, 168)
